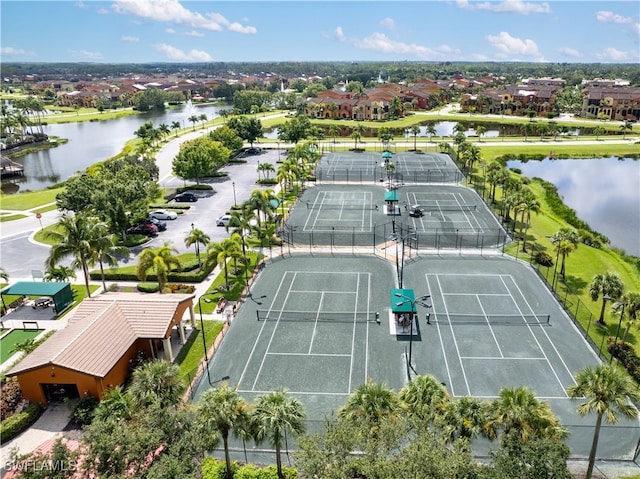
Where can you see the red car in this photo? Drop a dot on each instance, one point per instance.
(147, 229)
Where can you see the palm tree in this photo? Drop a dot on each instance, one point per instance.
(518, 410)
(415, 130)
(266, 168)
(164, 129)
(598, 130)
(606, 285)
(528, 203)
(3, 275)
(59, 273)
(203, 118)
(105, 249)
(220, 253)
(221, 411)
(631, 304)
(334, 129)
(73, 237)
(424, 397)
(431, 131)
(481, 130)
(159, 259)
(194, 119)
(625, 127)
(116, 403)
(156, 383)
(175, 125)
(273, 416)
(197, 237)
(371, 405)
(467, 417)
(261, 201)
(607, 390)
(566, 241)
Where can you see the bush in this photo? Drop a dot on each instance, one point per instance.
(214, 469)
(543, 259)
(11, 427)
(181, 288)
(10, 397)
(83, 412)
(148, 287)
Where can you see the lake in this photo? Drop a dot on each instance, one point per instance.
(604, 192)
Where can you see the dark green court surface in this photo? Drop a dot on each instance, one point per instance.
(319, 326)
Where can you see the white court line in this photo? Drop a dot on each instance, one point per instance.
(457, 197)
(315, 323)
(255, 343)
(548, 339)
(476, 294)
(295, 393)
(353, 334)
(502, 358)
(490, 328)
(273, 333)
(311, 354)
(366, 341)
(444, 351)
(455, 342)
(315, 291)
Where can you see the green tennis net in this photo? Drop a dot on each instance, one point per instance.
(492, 319)
(315, 316)
(341, 206)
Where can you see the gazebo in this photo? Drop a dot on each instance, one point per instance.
(60, 293)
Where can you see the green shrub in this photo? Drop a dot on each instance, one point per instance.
(215, 469)
(11, 427)
(148, 287)
(83, 412)
(543, 259)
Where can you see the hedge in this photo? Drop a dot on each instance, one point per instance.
(14, 425)
(215, 469)
(189, 274)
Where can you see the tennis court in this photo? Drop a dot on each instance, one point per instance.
(320, 325)
(408, 167)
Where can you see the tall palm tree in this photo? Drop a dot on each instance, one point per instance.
(415, 130)
(220, 253)
(274, 414)
(566, 241)
(631, 305)
(625, 127)
(194, 119)
(518, 410)
(528, 203)
(431, 131)
(481, 130)
(156, 383)
(59, 273)
(221, 411)
(261, 202)
(607, 390)
(265, 168)
(164, 129)
(334, 129)
(105, 249)
(175, 125)
(424, 397)
(606, 285)
(3, 275)
(73, 237)
(160, 260)
(598, 130)
(203, 118)
(197, 237)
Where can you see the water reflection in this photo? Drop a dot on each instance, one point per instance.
(604, 192)
(92, 142)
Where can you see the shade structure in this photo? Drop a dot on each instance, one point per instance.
(60, 292)
(387, 154)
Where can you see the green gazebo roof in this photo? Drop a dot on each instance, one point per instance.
(401, 300)
(391, 196)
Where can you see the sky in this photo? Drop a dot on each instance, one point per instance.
(146, 31)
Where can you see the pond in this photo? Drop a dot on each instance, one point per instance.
(604, 192)
(92, 142)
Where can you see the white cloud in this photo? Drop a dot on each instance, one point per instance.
(381, 43)
(340, 34)
(194, 33)
(506, 6)
(16, 52)
(636, 28)
(129, 39)
(570, 52)
(81, 4)
(171, 31)
(172, 11)
(613, 55)
(86, 55)
(508, 45)
(604, 16)
(175, 54)
(388, 23)
(103, 11)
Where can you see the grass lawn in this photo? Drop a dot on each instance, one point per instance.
(193, 351)
(29, 199)
(14, 337)
(558, 151)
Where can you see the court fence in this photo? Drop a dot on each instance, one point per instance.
(394, 231)
(378, 175)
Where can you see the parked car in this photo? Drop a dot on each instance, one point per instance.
(161, 225)
(223, 220)
(254, 151)
(148, 229)
(186, 197)
(163, 215)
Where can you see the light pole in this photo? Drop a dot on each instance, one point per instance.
(197, 246)
(620, 305)
(421, 301)
(233, 185)
(204, 342)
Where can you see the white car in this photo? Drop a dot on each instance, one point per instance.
(223, 220)
(163, 215)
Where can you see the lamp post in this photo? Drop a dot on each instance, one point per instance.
(619, 306)
(197, 247)
(421, 301)
(233, 185)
